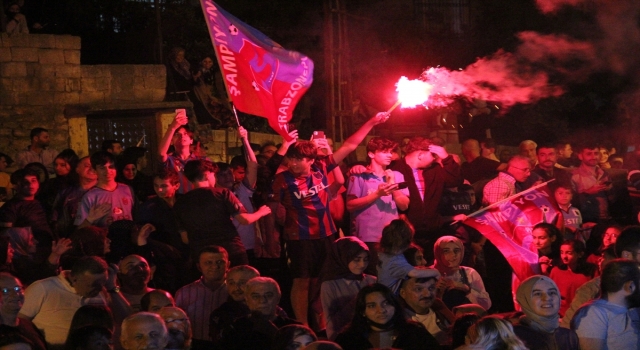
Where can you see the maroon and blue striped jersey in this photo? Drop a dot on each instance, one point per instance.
(306, 200)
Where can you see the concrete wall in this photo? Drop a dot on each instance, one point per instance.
(41, 74)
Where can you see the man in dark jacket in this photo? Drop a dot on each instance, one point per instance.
(428, 169)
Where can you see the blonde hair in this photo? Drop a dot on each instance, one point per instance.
(495, 333)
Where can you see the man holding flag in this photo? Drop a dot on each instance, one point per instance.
(261, 77)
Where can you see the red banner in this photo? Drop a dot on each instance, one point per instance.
(508, 226)
(261, 77)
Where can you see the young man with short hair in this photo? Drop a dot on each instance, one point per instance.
(592, 184)
(611, 322)
(109, 200)
(428, 169)
(24, 210)
(373, 197)
(564, 151)
(240, 177)
(112, 146)
(65, 207)
(546, 167)
(205, 213)
(304, 191)
(158, 210)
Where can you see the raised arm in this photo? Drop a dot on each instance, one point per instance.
(165, 143)
(252, 163)
(284, 147)
(354, 140)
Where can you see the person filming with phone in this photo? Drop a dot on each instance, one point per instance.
(374, 197)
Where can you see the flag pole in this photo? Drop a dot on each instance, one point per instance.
(482, 210)
(235, 113)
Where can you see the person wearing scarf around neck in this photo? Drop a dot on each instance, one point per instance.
(342, 279)
(379, 323)
(539, 327)
(459, 284)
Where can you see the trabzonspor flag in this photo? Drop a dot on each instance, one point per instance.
(261, 77)
(508, 226)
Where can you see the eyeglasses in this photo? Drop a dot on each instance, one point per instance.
(526, 170)
(6, 291)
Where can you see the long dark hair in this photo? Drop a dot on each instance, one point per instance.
(71, 158)
(582, 267)
(552, 231)
(360, 323)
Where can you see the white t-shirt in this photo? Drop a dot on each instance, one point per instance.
(51, 303)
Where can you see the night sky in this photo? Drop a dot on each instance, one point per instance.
(387, 39)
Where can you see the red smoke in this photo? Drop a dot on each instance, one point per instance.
(547, 6)
(542, 63)
(520, 77)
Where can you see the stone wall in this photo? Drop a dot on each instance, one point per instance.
(41, 74)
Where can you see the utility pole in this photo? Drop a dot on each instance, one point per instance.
(337, 67)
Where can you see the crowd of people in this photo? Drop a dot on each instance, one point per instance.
(292, 248)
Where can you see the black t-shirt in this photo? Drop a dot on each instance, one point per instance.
(479, 169)
(157, 212)
(24, 213)
(205, 213)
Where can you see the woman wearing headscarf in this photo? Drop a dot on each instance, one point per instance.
(343, 277)
(539, 327)
(459, 284)
(25, 265)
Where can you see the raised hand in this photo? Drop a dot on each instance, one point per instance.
(61, 246)
(242, 132)
(98, 212)
(380, 118)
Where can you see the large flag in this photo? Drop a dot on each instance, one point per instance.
(261, 77)
(508, 226)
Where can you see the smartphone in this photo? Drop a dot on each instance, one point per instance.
(291, 127)
(402, 185)
(318, 135)
(181, 110)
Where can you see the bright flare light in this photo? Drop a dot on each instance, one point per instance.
(412, 93)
